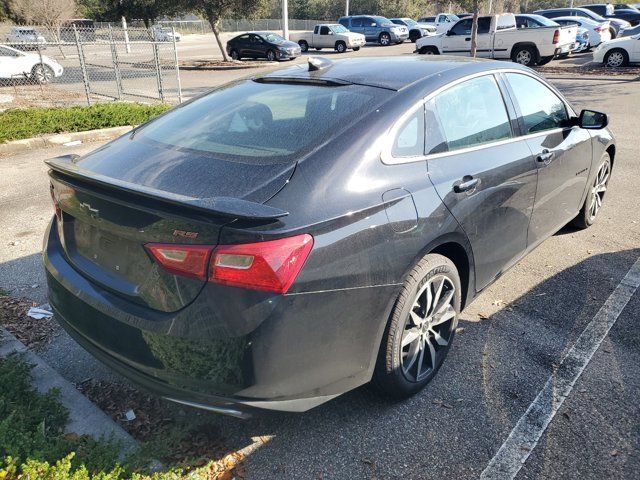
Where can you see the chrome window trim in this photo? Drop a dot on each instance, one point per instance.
(387, 144)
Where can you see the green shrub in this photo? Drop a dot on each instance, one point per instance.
(16, 124)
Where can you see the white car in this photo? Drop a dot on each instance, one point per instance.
(442, 21)
(164, 34)
(618, 52)
(598, 31)
(26, 38)
(329, 35)
(498, 37)
(17, 64)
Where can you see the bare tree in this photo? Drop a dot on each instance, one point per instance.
(48, 13)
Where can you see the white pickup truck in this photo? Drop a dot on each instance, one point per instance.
(329, 35)
(498, 37)
(442, 21)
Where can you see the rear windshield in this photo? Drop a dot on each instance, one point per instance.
(263, 123)
(544, 21)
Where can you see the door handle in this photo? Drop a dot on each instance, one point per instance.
(545, 157)
(468, 183)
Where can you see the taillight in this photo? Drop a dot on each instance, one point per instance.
(186, 260)
(272, 265)
(56, 204)
(556, 36)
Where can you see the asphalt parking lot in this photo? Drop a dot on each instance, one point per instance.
(511, 340)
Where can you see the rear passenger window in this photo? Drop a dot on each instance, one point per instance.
(344, 22)
(409, 141)
(473, 113)
(540, 107)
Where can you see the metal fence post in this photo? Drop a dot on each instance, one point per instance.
(156, 58)
(175, 60)
(116, 66)
(83, 67)
(42, 67)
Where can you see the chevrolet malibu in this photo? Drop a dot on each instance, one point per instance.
(286, 238)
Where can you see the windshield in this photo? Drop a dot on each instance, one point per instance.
(453, 18)
(382, 21)
(260, 122)
(338, 28)
(410, 22)
(544, 21)
(273, 38)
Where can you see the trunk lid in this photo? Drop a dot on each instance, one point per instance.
(115, 200)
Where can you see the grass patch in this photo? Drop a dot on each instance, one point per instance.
(33, 444)
(16, 124)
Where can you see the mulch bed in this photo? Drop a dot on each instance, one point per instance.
(33, 333)
(221, 65)
(591, 69)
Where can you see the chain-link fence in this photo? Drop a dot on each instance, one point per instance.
(73, 66)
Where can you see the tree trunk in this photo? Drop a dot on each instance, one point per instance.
(474, 33)
(214, 28)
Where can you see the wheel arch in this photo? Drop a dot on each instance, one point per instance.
(525, 44)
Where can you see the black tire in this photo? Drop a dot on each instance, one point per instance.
(42, 73)
(613, 33)
(398, 367)
(524, 55)
(591, 207)
(355, 49)
(318, 48)
(414, 36)
(430, 50)
(271, 55)
(384, 39)
(544, 60)
(304, 46)
(235, 55)
(341, 47)
(616, 57)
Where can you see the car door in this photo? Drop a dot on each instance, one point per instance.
(562, 153)
(482, 171)
(324, 38)
(634, 54)
(371, 28)
(242, 44)
(457, 41)
(484, 47)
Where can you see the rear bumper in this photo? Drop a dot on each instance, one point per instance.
(245, 351)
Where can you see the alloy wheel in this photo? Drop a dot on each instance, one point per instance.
(599, 189)
(43, 74)
(385, 39)
(271, 56)
(523, 57)
(428, 330)
(615, 59)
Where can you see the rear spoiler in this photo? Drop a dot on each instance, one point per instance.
(225, 206)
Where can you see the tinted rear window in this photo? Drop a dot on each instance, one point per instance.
(253, 122)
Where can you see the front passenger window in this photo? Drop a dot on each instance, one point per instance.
(540, 107)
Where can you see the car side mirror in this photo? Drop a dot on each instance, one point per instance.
(450, 32)
(592, 120)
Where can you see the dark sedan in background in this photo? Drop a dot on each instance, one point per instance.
(267, 45)
(287, 238)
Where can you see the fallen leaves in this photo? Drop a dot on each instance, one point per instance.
(33, 333)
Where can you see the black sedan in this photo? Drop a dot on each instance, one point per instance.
(267, 45)
(286, 238)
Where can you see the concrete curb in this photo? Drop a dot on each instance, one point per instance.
(84, 417)
(58, 139)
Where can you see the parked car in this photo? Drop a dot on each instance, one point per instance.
(416, 30)
(616, 24)
(17, 64)
(618, 52)
(329, 35)
(442, 21)
(607, 10)
(598, 32)
(530, 20)
(26, 38)
(267, 45)
(376, 29)
(630, 32)
(161, 33)
(498, 37)
(241, 252)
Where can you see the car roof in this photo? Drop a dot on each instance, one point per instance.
(375, 71)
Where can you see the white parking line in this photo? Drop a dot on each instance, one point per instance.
(524, 437)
